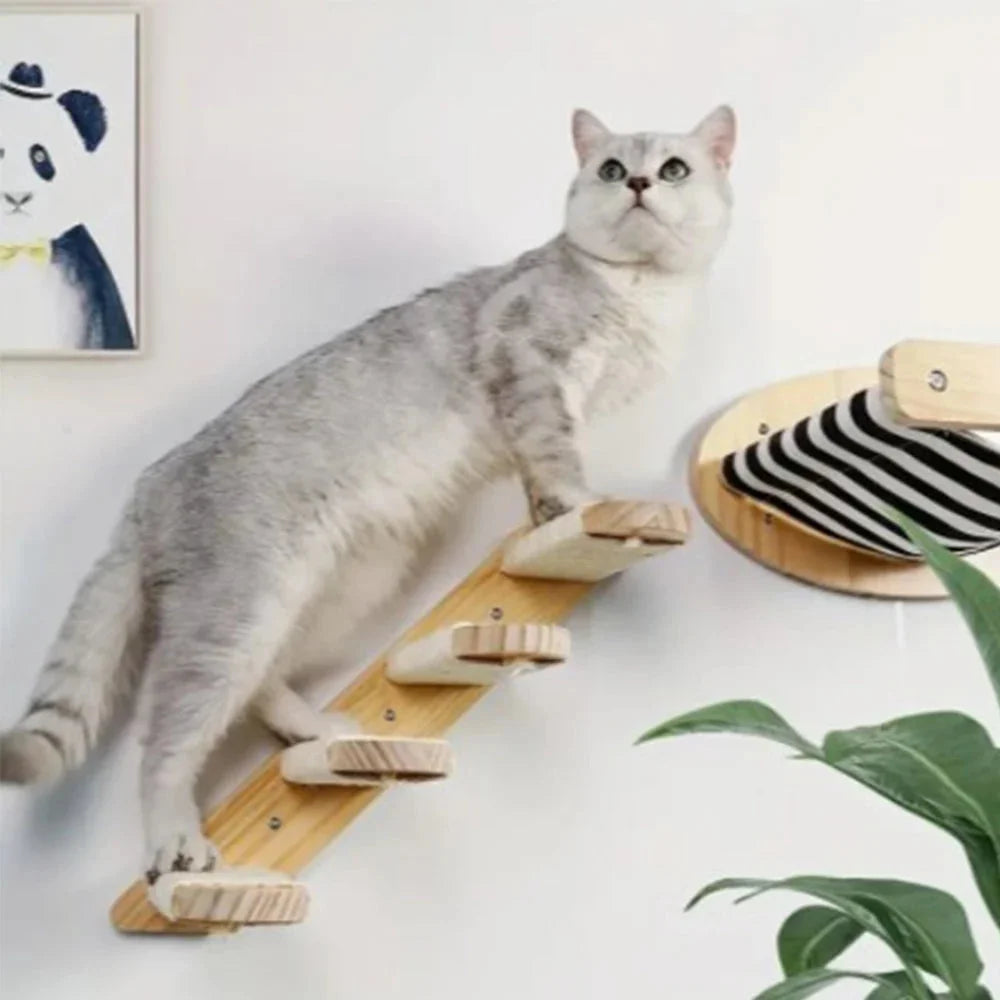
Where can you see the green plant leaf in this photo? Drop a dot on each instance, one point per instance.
(752, 718)
(859, 914)
(941, 766)
(975, 594)
(986, 870)
(925, 927)
(982, 993)
(813, 937)
(811, 981)
(895, 985)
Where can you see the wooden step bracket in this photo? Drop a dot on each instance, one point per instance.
(597, 540)
(233, 897)
(933, 383)
(469, 653)
(366, 761)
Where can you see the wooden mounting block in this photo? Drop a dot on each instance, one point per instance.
(932, 383)
(232, 897)
(366, 761)
(779, 544)
(597, 540)
(478, 654)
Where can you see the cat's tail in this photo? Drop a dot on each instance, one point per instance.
(90, 665)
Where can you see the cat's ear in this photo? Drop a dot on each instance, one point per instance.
(718, 132)
(588, 134)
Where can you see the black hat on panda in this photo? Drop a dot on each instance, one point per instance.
(26, 80)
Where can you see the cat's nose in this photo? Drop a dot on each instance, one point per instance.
(638, 184)
(17, 198)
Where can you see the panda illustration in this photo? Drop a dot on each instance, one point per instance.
(56, 289)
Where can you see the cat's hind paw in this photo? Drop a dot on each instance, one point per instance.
(182, 852)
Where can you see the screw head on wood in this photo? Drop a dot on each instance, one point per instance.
(764, 429)
(389, 715)
(496, 614)
(937, 380)
(274, 822)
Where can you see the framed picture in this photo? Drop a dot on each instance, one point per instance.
(69, 182)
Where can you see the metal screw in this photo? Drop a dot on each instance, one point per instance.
(937, 380)
(764, 429)
(274, 822)
(496, 614)
(769, 519)
(389, 715)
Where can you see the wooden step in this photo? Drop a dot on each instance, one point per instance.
(366, 761)
(234, 897)
(479, 654)
(597, 540)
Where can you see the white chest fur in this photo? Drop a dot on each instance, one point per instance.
(657, 304)
(39, 309)
(657, 312)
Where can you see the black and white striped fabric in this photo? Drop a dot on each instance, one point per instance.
(840, 471)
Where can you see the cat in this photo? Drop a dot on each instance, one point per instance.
(313, 493)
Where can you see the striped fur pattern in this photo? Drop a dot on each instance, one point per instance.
(76, 691)
(260, 544)
(841, 471)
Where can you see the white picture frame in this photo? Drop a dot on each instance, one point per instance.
(117, 33)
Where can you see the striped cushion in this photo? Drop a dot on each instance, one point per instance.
(839, 472)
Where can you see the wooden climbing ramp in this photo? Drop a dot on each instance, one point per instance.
(499, 617)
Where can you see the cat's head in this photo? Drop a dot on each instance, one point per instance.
(652, 198)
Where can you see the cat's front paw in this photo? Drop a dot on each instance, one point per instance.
(547, 506)
(182, 852)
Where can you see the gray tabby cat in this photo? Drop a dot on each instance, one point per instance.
(311, 495)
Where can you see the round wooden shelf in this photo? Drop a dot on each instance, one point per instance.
(777, 543)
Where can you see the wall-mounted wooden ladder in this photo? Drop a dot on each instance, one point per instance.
(499, 621)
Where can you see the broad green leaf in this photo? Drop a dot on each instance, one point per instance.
(813, 937)
(975, 594)
(982, 993)
(925, 927)
(752, 718)
(986, 870)
(811, 981)
(859, 914)
(941, 766)
(895, 985)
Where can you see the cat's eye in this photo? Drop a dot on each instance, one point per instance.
(675, 169)
(41, 162)
(611, 171)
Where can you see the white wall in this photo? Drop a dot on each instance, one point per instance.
(310, 162)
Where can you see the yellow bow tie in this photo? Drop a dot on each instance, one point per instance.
(39, 251)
